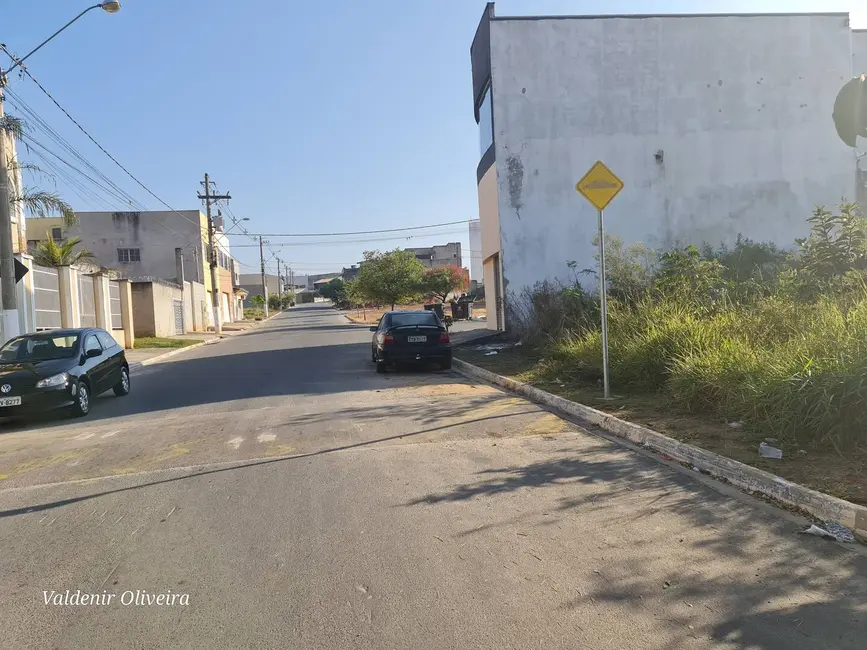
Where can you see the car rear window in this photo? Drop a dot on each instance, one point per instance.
(421, 318)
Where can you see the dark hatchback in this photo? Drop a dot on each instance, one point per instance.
(411, 337)
(60, 369)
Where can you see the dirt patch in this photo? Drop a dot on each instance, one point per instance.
(822, 469)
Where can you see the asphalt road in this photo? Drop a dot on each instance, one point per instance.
(296, 499)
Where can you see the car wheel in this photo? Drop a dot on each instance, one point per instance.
(81, 405)
(373, 356)
(447, 364)
(121, 388)
(380, 366)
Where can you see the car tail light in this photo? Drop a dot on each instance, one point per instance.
(387, 339)
(444, 337)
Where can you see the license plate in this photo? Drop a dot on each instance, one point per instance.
(10, 401)
(416, 339)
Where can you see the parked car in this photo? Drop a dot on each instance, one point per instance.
(60, 369)
(410, 337)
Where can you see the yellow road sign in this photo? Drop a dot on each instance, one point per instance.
(599, 185)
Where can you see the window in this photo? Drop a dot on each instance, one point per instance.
(428, 318)
(129, 255)
(91, 343)
(41, 347)
(57, 234)
(486, 123)
(106, 339)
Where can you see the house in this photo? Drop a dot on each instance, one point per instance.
(147, 245)
(715, 123)
(252, 284)
(436, 256)
(313, 279)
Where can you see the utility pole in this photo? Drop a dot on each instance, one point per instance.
(279, 279)
(207, 197)
(8, 292)
(264, 283)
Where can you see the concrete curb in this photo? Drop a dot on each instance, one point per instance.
(750, 479)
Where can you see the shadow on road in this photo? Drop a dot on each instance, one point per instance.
(762, 602)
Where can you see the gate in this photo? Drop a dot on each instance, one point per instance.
(86, 301)
(114, 302)
(46, 298)
(178, 306)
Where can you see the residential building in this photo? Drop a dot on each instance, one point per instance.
(436, 256)
(715, 123)
(351, 273)
(252, 284)
(144, 245)
(312, 279)
(476, 274)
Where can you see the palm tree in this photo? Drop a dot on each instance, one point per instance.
(50, 254)
(38, 202)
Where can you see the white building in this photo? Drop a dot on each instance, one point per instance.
(717, 124)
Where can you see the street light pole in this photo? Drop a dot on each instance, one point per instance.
(8, 290)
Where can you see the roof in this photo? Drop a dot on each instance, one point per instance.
(841, 14)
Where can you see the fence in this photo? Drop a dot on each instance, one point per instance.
(46, 298)
(115, 305)
(86, 301)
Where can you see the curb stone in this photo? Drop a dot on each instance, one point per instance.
(820, 505)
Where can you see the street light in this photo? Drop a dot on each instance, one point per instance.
(8, 295)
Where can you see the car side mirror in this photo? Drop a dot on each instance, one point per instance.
(373, 329)
(90, 354)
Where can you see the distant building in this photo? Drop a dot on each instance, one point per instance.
(252, 283)
(436, 256)
(313, 279)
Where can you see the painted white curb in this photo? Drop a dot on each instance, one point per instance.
(750, 479)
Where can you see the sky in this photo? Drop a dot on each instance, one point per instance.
(317, 117)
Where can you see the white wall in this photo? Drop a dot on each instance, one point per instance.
(740, 106)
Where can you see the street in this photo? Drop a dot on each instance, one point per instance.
(300, 500)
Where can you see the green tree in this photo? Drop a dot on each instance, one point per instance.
(334, 290)
(258, 300)
(390, 278)
(51, 254)
(274, 302)
(441, 281)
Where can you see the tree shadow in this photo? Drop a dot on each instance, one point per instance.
(684, 555)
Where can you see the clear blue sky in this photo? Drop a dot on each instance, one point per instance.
(317, 116)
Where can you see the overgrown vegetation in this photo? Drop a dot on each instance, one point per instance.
(747, 333)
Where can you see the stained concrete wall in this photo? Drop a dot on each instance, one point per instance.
(153, 307)
(718, 125)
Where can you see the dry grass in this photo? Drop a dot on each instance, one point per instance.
(822, 469)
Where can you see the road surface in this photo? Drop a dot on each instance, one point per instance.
(277, 493)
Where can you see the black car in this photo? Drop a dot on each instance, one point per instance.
(60, 369)
(411, 337)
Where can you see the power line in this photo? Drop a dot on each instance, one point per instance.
(364, 232)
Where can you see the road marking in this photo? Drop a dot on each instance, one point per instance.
(85, 436)
(235, 443)
(110, 434)
(266, 437)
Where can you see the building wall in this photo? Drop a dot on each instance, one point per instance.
(475, 252)
(741, 118)
(143, 308)
(252, 282)
(859, 52)
(155, 233)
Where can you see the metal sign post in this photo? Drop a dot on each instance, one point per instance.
(599, 186)
(604, 308)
